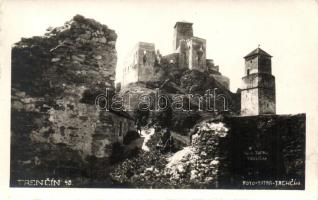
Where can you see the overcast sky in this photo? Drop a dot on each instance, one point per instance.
(288, 30)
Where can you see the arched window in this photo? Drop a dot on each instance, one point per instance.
(248, 72)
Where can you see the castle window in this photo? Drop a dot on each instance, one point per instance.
(145, 59)
(248, 72)
(200, 54)
(120, 128)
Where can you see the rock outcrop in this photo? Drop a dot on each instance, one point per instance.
(204, 164)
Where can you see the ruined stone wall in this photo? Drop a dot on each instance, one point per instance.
(211, 66)
(140, 64)
(112, 129)
(130, 68)
(172, 58)
(146, 62)
(55, 80)
(197, 54)
(183, 52)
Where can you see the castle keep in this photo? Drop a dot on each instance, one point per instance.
(189, 52)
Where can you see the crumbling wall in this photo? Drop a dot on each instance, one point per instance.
(140, 65)
(205, 163)
(197, 54)
(146, 61)
(55, 80)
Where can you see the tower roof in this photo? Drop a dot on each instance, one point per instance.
(257, 51)
(182, 22)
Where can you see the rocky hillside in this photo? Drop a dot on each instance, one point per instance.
(204, 164)
(185, 82)
(55, 79)
(179, 84)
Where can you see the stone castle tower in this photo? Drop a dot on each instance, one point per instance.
(139, 64)
(192, 50)
(182, 31)
(258, 90)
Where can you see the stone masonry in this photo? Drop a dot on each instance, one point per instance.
(55, 80)
(139, 65)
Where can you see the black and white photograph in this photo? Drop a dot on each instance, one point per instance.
(186, 95)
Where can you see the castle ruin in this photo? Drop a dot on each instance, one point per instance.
(140, 63)
(189, 52)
